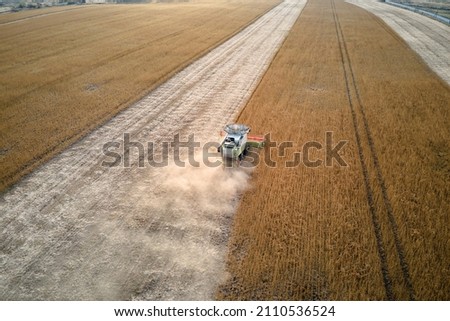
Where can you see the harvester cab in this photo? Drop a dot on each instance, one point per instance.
(236, 142)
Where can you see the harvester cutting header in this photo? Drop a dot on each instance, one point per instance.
(236, 142)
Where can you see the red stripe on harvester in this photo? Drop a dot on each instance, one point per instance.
(257, 138)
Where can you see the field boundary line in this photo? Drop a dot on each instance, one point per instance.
(403, 42)
(409, 26)
(270, 65)
(425, 13)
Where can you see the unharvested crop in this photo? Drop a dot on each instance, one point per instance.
(376, 229)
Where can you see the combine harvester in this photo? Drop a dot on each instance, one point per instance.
(236, 143)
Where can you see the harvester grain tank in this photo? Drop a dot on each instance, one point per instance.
(237, 142)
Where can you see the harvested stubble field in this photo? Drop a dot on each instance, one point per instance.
(64, 72)
(376, 229)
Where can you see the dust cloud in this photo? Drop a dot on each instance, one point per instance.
(166, 241)
(207, 189)
(180, 225)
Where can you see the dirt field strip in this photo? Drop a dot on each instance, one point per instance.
(74, 229)
(376, 229)
(429, 38)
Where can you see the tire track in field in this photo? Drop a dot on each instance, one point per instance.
(380, 178)
(350, 79)
(77, 230)
(387, 280)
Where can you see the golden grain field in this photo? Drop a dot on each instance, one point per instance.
(64, 72)
(376, 229)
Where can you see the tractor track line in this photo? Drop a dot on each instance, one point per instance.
(370, 195)
(380, 178)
